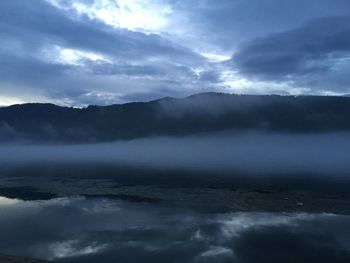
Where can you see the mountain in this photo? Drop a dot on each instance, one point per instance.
(206, 112)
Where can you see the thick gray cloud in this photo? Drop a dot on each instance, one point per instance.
(228, 22)
(46, 24)
(31, 30)
(318, 48)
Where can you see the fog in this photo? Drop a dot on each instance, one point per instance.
(210, 105)
(250, 152)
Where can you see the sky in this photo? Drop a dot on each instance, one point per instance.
(81, 52)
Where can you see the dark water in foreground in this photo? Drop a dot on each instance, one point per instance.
(100, 230)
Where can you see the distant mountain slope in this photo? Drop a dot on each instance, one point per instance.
(207, 112)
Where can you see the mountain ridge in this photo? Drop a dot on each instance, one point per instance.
(198, 113)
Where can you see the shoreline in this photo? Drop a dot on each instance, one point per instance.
(203, 199)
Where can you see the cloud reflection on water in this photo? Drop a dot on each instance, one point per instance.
(100, 230)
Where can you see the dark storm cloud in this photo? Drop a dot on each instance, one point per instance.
(320, 47)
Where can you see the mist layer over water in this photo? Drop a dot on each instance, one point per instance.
(250, 152)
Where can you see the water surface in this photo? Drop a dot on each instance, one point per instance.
(78, 229)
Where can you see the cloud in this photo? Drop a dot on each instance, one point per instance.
(48, 24)
(58, 53)
(148, 16)
(222, 26)
(100, 52)
(310, 55)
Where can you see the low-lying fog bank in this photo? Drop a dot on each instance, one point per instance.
(250, 152)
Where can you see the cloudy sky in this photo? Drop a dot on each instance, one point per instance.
(79, 52)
